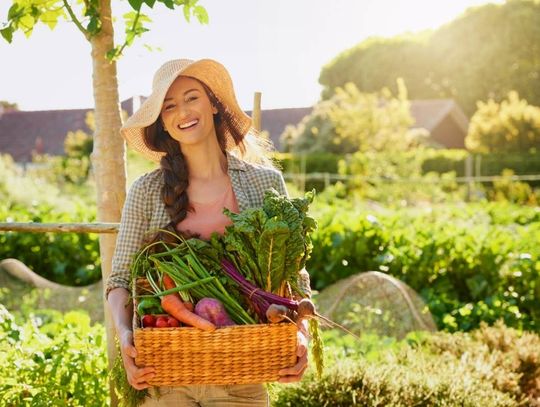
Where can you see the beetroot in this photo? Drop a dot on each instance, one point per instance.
(213, 310)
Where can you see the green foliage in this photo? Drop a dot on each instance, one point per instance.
(509, 126)
(492, 366)
(23, 15)
(47, 357)
(485, 53)
(67, 258)
(397, 177)
(4, 104)
(352, 121)
(470, 263)
(506, 189)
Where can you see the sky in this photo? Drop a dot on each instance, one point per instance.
(276, 47)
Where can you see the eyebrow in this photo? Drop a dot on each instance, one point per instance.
(185, 93)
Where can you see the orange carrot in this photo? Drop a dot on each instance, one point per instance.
(174, 306)
(168, 282)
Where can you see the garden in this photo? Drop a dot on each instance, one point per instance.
(474, 265)
(424, 262)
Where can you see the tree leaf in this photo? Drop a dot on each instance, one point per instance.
(135, 4)
(168, 3)
(7, 33)
(13, 11)
(150, 3)
(94, 25)
(201, 14)
(187, 13)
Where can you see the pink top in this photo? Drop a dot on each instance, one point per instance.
(206, 218)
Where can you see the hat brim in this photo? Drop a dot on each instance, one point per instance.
(212, 74)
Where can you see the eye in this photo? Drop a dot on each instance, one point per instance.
(191, 98)
(168, 107)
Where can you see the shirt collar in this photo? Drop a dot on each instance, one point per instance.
(235, 163)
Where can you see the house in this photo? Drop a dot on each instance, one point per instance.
(45, 131)
(443, 119)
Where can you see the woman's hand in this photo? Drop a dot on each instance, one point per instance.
(137, 378)
(295, 373)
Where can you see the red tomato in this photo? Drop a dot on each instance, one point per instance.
(148, 321)
(161, 322)
(173, 322)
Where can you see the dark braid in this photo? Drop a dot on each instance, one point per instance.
(175, 176)
(174, 167)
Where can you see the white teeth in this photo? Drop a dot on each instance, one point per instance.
(188, 124)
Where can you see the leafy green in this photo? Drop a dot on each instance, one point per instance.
(271, 244)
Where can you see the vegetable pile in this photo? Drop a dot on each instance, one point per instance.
(247, 276)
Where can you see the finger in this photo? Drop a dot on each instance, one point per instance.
(144, 377)
(301, 350)
(144, 371)
(130, 351)
(292, 378)
(140, 386)
(301, 364)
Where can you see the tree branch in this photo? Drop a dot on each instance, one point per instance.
(75, 20)
(124, 45)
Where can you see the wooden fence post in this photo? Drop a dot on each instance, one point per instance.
(469, 176)
(256, 115)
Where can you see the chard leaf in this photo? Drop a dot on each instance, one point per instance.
(271, 253)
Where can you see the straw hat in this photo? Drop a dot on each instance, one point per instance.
(212, 74)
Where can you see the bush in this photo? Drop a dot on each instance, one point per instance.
(47, 357)
(470, 263)
(492, 366)
(513, 125)
(66, 258)
(352, 121)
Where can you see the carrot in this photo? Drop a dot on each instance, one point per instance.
(168, 282)
(174, 306)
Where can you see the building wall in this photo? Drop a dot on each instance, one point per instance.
(449, 134)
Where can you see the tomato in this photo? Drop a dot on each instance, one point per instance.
(148, 321)
(161, 322)
(173, 322)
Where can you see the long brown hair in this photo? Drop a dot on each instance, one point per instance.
(174, 166)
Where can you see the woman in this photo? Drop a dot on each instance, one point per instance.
(193, 125)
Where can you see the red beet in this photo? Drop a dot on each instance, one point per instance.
(213, 310)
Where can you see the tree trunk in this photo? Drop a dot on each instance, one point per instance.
(108, 156)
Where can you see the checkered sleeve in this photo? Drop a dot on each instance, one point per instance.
(303, 275)
(133, 225)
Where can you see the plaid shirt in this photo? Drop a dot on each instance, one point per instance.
(144, 212)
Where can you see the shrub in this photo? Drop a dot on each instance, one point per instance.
(49, 357)
(465, 266)
(66, 258)
(492, 366)
(512, 125)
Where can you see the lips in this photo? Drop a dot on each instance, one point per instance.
(188, 125)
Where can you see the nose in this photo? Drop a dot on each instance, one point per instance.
(183, 110)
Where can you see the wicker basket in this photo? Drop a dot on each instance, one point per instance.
(238, 354)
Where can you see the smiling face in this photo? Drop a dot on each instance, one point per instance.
(187, 113)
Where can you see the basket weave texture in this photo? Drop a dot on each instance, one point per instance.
(239, 354)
